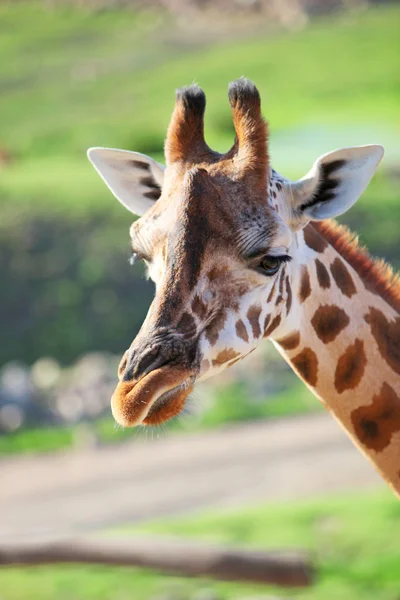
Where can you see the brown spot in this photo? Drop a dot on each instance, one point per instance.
(278, 186)
(291, 341)
(253, 315)
(313, 239)
(387, 336)
(322, 274)
(273, 325)
(328, 321)
(241, 330)
(281, 280)
(305, 287)
(375, 424)
(212, 332)
(288, 295)
(272, 291)
(225, 356)
(343, 278)
(378, 277)
(199, 307)
(306, 364)
(187, 324)
(350, 367)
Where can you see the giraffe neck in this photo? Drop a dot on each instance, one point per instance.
(342, 337)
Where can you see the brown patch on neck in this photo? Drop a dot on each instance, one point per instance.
(290, 342)
(328, 321)
(313, 239)
(377, 276)
(350, 367)
(374, 425)
(387, 336)
(305, 287)
(322, 274)
(343, 278)
(306, 364)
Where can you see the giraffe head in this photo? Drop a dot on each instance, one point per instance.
(218, 233)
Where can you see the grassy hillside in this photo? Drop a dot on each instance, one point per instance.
(70, 79)
(353, 540)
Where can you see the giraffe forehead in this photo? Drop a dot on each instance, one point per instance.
(190, 225)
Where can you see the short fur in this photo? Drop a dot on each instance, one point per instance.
(185, 138)
(251, 128)
(377, 275)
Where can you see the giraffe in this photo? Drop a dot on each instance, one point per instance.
(239, 254)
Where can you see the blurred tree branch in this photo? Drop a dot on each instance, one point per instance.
(288, 569)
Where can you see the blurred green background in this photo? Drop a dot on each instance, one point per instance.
(81, 74)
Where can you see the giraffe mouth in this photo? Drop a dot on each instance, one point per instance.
(154, 399)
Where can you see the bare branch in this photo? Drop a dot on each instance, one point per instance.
(170, 556)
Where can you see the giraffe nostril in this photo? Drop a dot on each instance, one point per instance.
(151, 360)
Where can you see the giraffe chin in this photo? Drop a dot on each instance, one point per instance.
(154, 399)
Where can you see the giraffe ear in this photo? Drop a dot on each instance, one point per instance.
(334, 184)
(135, 179)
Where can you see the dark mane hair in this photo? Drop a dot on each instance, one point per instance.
(378, 276)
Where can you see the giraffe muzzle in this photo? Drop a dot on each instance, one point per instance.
(156, 374)
(155, 398)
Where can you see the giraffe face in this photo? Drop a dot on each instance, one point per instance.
(217, 242)
(219, 267)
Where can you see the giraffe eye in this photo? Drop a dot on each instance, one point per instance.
(269, 265)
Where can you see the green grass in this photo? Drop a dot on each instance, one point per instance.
(74, 79)
(353, 540)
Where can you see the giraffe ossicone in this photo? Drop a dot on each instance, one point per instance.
(239, 254)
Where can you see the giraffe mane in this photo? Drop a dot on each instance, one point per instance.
(378, 276)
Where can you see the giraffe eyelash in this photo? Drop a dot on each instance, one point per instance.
(132, 260)
(285, 258)
(281, 258)
(135, 257)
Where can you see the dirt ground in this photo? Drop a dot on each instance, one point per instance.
(64, 494)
